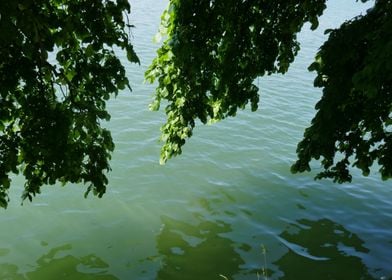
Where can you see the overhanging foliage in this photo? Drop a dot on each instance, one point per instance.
(57, 70)
(214, 51)
(353, 124)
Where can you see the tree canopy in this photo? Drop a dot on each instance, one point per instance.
(206, 69)
(214, 51)
(353, 124)
(58, 67)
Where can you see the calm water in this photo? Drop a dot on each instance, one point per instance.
(213, 210)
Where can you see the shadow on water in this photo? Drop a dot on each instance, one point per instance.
(57, 264)
(322, 250)
(194, 252)
(206, 248)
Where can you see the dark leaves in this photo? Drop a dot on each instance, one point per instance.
(353, 121)
(51, 112)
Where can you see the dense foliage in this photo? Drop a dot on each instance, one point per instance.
(57, 69)
(354, 120)
(214, 50)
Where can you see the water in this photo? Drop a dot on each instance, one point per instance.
(228, 207)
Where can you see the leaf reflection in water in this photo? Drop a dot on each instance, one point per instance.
(322, 250)
(194, 252)
(58, 264)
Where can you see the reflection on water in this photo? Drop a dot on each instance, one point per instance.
(57, 264)
(194, 252)
(322, 250)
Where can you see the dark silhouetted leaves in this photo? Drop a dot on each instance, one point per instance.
(353, 122)
(57, 70)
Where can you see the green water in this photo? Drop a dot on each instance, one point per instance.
(213, 210)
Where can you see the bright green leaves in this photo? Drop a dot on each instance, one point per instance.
(352, 125)
(212, 53)
(214, 50)
(51, 111)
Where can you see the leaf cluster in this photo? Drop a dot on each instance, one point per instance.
(213, 52)
(57, 70)
(353, 124)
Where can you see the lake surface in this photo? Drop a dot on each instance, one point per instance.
(228, 208)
